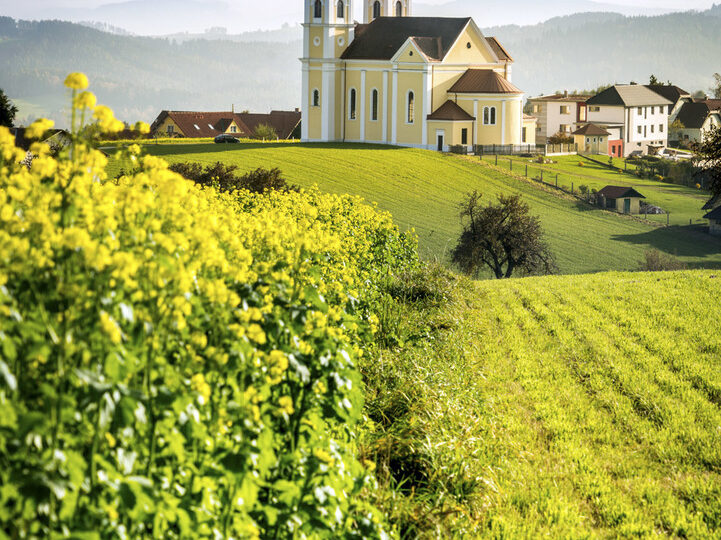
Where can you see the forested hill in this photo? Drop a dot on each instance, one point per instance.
(589, 49)
(139, 76)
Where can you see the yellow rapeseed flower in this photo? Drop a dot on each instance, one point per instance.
(110, 327)
(85, 100)
(286, 405)
(38, 128)
(77, 81)
(255, 333)
(142, 128)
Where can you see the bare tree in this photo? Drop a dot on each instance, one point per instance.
(503, 237)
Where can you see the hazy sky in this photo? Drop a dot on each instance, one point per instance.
(243, 15)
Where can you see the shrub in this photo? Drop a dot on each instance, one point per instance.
(224, 178)
(265, 132)
(583, 189)
(657, 261)
(179, 362)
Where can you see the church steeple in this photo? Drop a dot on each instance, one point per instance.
(373, 9)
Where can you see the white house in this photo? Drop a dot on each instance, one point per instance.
(694, 120)
(638, 114)
(557, 113)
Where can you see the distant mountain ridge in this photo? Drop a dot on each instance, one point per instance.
(139, 76)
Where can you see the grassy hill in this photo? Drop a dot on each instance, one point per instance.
(556, 407)
(422, 189)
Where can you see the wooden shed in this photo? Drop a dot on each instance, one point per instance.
(622, 199)
(714, 218)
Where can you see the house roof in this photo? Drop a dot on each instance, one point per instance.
(712, 203)
(591, 129)
(201, 124)
(713, 104)
(501, 53)
(381, 39)
(620, 192)
(483, 81)
(572, 98)
(211, 124)
(450, 111)
(714, 214)
(628, 95)
(283, 122)
(670, 92)
(693, 114)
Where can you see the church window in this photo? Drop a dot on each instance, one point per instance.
(411, 107)
(318, 10)
(316, 98)
(489, 116)
(341, 10)
(352, 104)
(376, 9)
(374, 105)
(399, 9)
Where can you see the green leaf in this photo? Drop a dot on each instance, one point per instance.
(10, 379)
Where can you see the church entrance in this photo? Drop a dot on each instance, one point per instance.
(441, 141)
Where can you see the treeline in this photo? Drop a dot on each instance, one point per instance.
(194, 75)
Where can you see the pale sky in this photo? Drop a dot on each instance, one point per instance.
(244, 15)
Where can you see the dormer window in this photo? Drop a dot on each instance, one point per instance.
(318, 10)
(340, 14)
(211, 126)
(197, 127)
(376, 9)
(233, 129)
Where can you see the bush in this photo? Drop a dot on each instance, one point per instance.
(657, 261)
(265, 132)
(179, 362)
(583, 189)
(223, 177)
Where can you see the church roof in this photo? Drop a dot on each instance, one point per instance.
(450, 111)
(381, 39)
(483, 81)
(501, 53)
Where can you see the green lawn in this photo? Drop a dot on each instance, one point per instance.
(422, 189)
(560, 407)
(683, 203)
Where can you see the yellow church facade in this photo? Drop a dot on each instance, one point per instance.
(425, 82)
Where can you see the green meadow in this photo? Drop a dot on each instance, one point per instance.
(422, 190)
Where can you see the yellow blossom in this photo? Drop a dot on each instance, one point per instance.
(142, 128)
(85, 100)
(110, 327)
(111, 440)
(198, 384)
(77, 81)
(286, 405)
(38, 128)
(255, 333)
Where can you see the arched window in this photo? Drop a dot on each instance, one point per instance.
(411, 107)
(374, 105)
(341, 10)
(316, 98)
(351, 104)
(376, 9)
(399, 9)
(489, 116)
(318, 10)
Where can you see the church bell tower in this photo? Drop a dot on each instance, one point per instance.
(327, 30)
(372, 9)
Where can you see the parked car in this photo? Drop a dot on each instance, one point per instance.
(225, 138)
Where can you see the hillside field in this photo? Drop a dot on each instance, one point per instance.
(562, 407)
(422, 189)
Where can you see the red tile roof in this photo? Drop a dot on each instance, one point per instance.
(483, 81)
(210, 124)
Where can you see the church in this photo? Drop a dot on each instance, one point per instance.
(424, 82)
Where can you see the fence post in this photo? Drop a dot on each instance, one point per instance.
(571, 188)
(526, 170)
(510, 161)
(668, 219)
(541, 175)
(494, 149)
(556, 180)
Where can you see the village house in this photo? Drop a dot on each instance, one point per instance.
(592, 139)
(622, 199)
(425, 82)
(694, 120)
(557, 113)
(677, 96)
(187, 124)
(633, 113)
(714, 218)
